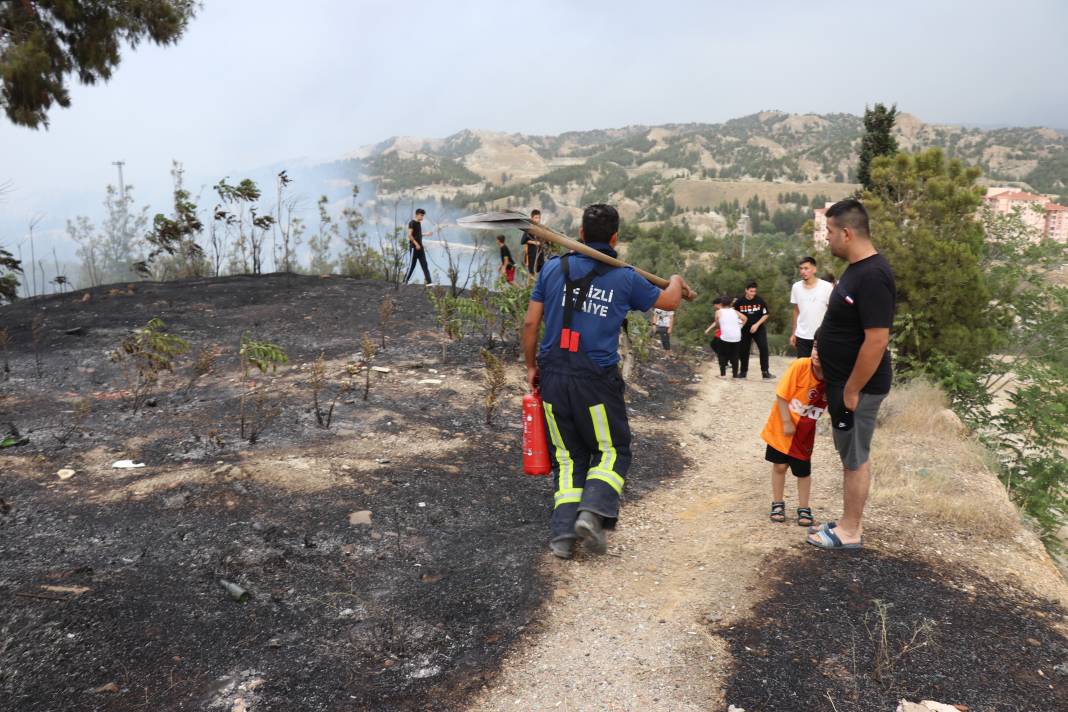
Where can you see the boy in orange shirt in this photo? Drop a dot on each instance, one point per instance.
(800, 399)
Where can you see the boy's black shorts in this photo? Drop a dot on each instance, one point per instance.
(800, 468)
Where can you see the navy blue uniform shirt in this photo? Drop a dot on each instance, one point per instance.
(601, 312)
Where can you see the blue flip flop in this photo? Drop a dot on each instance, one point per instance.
(822, 527)
(829, 540)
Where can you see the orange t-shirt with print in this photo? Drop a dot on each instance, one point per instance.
(807, 399)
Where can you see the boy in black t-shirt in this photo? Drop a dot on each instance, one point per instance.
(533, 255)
(755, 311)
(507, 267)
(856, 362)
(415, 246)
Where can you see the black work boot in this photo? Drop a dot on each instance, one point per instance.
(589, 530)
(562, 548)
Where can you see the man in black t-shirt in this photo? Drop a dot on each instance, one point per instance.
(415, 246)
(507, 266)
(853, 342)
(533, 255)
(756, 313)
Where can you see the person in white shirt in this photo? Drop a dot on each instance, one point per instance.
(809, 296)
(729, 324)
(662, 323)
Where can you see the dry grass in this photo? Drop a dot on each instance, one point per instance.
(700, 193)
(926, 459)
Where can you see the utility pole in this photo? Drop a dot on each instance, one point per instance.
(122, 186)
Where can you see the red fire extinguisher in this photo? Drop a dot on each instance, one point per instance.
(535, 448)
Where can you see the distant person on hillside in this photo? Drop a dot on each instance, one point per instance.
(663, 320)
(853, 351)
(729, 323)
(533, 256)
(507, 266)
(583, 303)
(809, 295)
(415, 245)
(755, 310)
(790, 434)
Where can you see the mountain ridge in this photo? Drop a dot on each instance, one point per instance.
(637, 166)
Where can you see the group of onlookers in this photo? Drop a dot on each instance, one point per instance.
(739, 322)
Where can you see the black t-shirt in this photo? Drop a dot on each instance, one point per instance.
(531, 253)
(864, 298)
(417, 231)
(506, 257)
(752, 309)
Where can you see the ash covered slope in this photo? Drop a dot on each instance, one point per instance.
(391, 559)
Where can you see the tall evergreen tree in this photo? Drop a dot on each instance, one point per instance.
(44, 42)
(924, 218)
(877, 140)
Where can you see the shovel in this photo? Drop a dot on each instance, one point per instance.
(505, 219)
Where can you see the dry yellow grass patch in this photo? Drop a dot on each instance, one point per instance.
(691, 194)
(925, 459)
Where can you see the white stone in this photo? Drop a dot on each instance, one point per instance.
(362, 517)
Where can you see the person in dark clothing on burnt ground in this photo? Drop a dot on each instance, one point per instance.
(415, 246)
(507, 266)
(755, 310)
(533, 255)
(584, 303)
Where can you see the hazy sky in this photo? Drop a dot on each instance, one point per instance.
(259, 81)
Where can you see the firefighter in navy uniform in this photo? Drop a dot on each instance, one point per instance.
(584, 303)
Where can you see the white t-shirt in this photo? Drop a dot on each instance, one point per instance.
(811, 306)
(662, 317)
(730, 325)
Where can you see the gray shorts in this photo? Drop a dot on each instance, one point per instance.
(854, 446)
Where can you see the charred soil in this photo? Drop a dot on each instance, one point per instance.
(390, 560)
(861, 631)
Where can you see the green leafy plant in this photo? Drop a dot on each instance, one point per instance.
(263, 356)
(636, 340)
(144, 355)
(510, 303)
(447, 315)
(10, 268)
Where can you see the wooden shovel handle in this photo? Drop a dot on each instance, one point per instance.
(544, 233)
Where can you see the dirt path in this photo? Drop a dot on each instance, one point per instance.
(630, 631)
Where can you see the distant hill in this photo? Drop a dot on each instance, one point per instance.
(665, 172)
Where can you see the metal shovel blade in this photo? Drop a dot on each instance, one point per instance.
(499, 220)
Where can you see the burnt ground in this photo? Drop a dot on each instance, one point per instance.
(411, 611)
(860, 631)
